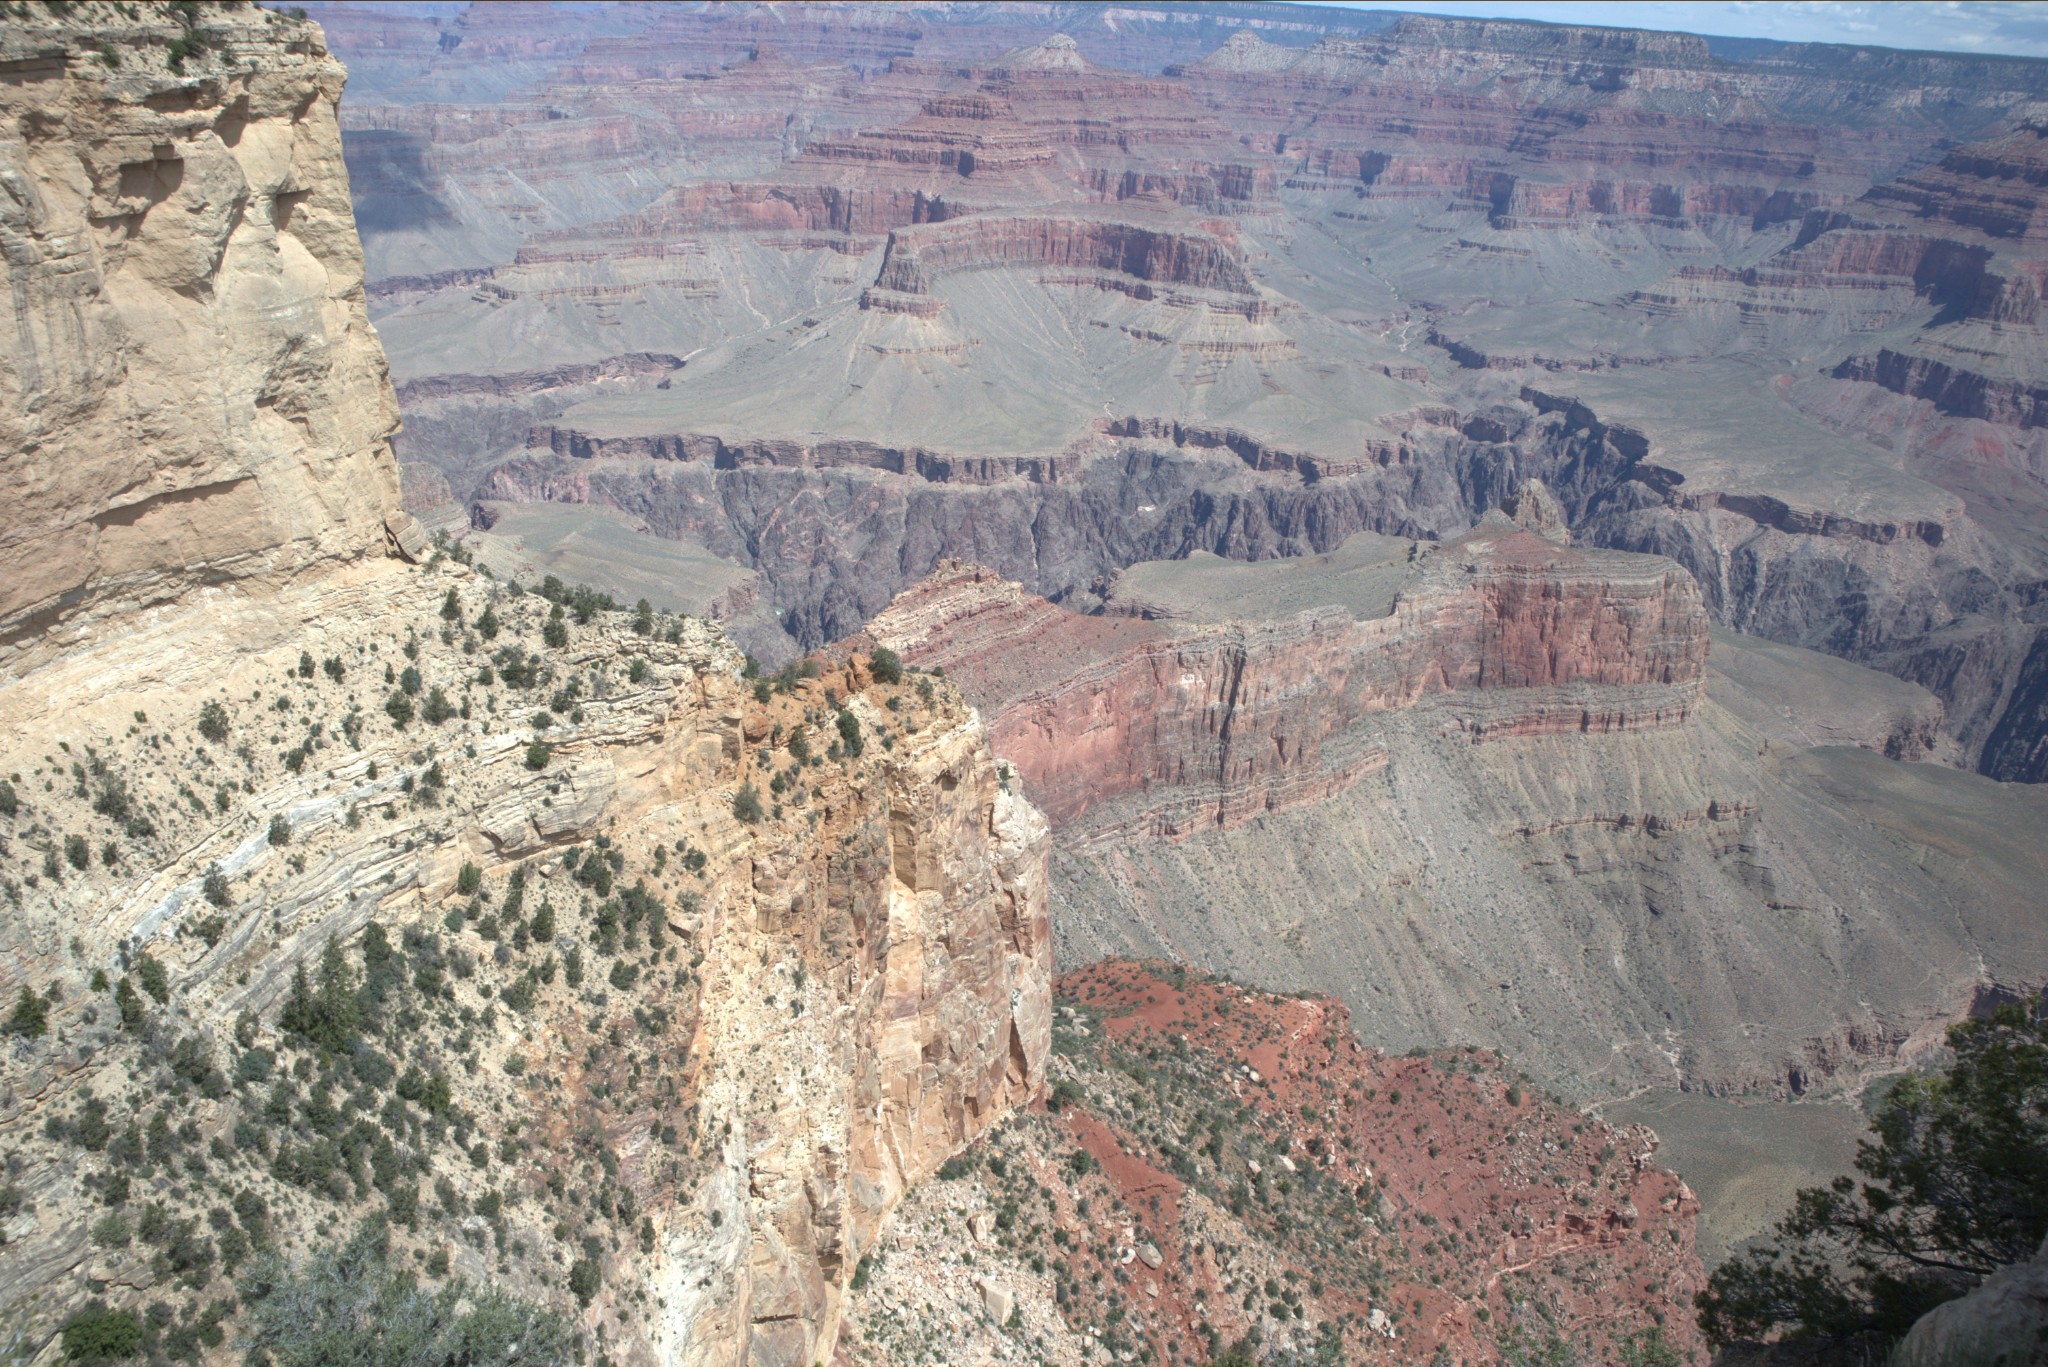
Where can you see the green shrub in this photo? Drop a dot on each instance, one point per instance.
(538, 754)
(399, 708)
(153, 978)
(451, 607)
(328, 1013)
(280, 831)
(555, 634)
(487, 624)
(215, 886)
(30, 1017)
(213, 722)
(849, 733)
(78, 852)
(97, 1334)
(437, 709)
(886, 665)
(306, 665)
(746, 804)
(469, 879)
(335, 671)
(583, 1280)
(9, 802)
(542, 927)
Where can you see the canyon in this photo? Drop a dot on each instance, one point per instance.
(1165, 379)
(1257, 627)
(1036, 246)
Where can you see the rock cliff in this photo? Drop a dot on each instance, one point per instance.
(515, 928)
(1495, 791)
(193, 396)
(1559, 642)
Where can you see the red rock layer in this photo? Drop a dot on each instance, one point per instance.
(1472, 1193)
(1238, 718)
(916, 259)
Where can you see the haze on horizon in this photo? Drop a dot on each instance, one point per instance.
(1989, 28)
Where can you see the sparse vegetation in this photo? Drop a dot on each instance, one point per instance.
(30, 1018)
(352, 1306)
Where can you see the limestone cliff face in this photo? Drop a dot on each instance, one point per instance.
(912, 925)
(190, 392)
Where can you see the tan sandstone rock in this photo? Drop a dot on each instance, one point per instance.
(192, 394)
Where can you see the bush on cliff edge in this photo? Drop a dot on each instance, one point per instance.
(1956, 1187)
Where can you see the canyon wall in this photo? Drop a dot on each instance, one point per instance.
(193, 393)
(1565, 642)
(1497, 791)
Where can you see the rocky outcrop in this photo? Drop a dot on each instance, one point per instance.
(2003, 1320)
(897, 903)
(1952, 389)
(722, 453)
(193, 394)
(917, 259)
(639, 366)
(1234, 720)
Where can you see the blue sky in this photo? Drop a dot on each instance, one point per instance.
(2009, 28)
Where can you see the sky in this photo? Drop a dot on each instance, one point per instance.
(2006, 28)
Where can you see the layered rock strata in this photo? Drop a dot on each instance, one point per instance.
(193, 393)
(1497, 790)
(1557, 642)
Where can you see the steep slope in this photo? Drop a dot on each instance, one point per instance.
(1479, 792)
(1217, 1166)
(513, 937)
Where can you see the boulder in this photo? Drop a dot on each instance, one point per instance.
(2003, 1322)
